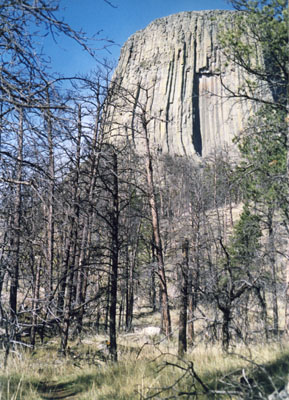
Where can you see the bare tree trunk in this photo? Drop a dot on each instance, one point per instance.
(153, 279)
(114, 263)
(81, 288)
(35, 303)
(184, 270)
(226, 327)
(165, 312)
(86, 231)
(130, 282)
(67, 243)
(287, 296)
(50, 207)
(67, 307)
(106, 320)
(71, 257)
(263, 305)
(271, 248)
(2, 270)
(194, 271)
(15, 240)
(191, 308)
(287, 252)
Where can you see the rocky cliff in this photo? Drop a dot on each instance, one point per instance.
(173, 68)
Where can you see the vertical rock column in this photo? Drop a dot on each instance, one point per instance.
(178, 60)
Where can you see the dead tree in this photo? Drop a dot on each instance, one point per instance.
(165, 311)
(184, 271)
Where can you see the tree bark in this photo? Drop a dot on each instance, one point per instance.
(271, 248)
(15, 240)
(114, 262)
(165, 312)
(130, 282)
(184, 270)
(35, 303)
(287, 293)
(153, 293)
(287, 252)
(51, 190)
(71, 256)
(88, 218)
(263, 305)
(226, 328)
(191, 308)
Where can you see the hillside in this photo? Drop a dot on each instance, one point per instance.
(144, 217)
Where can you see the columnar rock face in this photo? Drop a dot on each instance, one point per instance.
(176, 70)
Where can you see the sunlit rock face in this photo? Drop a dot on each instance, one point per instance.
(176, 70)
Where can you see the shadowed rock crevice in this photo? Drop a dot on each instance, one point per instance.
(197, 136)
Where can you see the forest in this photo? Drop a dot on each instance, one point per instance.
(96, 236)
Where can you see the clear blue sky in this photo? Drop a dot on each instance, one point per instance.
(115, 23)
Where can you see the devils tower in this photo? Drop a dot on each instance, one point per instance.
(175, 66)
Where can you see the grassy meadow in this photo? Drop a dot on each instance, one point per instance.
(148, 367)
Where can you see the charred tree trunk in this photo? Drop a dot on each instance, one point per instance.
(114, 262)
(226, 327)
(184, 270)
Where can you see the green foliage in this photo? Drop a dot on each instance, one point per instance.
(262, 171)
(258, 43)
(245, 241)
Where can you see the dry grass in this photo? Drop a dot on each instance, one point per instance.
(146, 365)
(84, 375)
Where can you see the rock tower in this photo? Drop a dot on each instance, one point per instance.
(175, 68)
